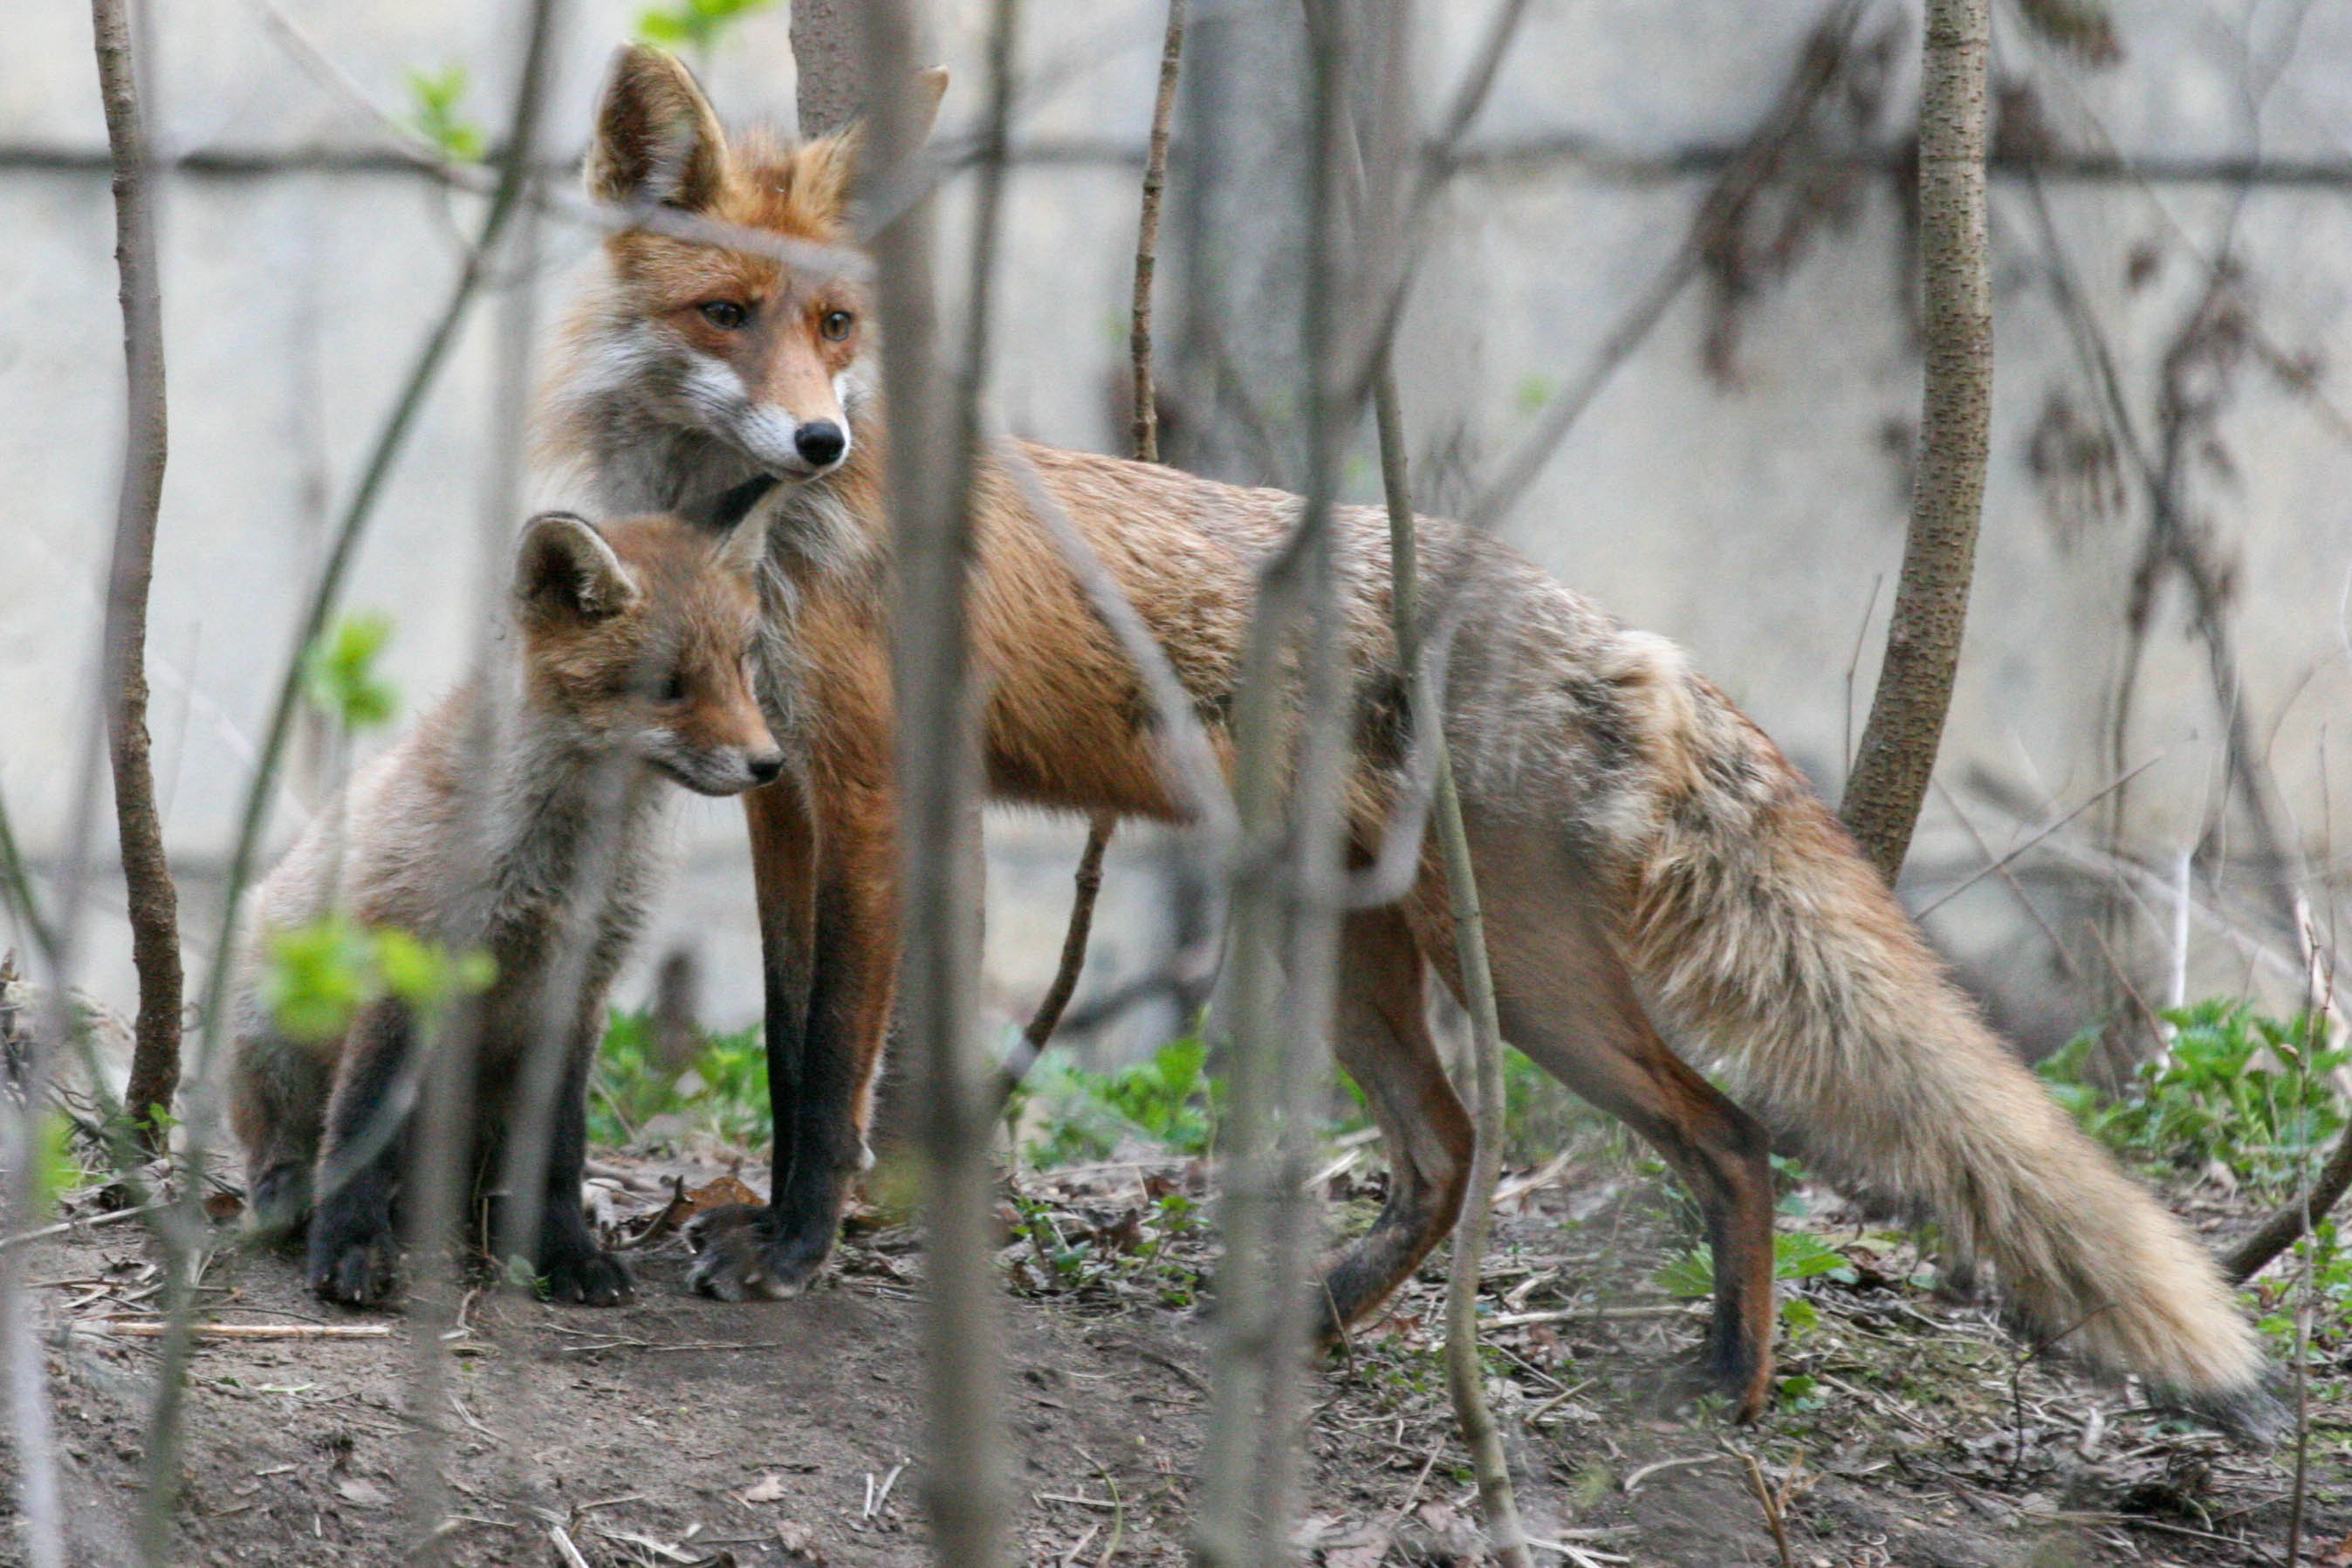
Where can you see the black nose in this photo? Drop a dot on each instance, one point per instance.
(766, 765)
(820, 442)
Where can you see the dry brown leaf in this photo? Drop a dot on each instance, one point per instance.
(717, 1192)
(800, 1542)
(362, 1492)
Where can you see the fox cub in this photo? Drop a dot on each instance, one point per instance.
(516, 820)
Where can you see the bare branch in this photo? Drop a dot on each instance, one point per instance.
(1146, 411)
(155, 905)
(1899, 742)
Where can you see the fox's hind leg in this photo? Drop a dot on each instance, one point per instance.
(1568, 1002)
(1381, 1038)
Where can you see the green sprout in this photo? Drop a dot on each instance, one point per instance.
(320, 975)
(693, 24)
(340, 676)
(434, 97)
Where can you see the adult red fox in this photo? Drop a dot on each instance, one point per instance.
(626, 669)
(1645, 851)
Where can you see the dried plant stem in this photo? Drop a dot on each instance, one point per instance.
(1465, 1379)
(1899, 742)
(936, 429)
(155, 905)
(1772, 1509)
(16, 891)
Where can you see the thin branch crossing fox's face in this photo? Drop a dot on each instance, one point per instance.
(639, 638)
(766, 357)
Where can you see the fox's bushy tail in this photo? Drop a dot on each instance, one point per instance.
(1764, 938)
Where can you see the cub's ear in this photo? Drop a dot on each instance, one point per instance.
(565, 567)
(657, 138)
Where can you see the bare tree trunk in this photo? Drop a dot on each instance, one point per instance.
(825, 52)
(1931, 596)
(146, 873)
(930, 465)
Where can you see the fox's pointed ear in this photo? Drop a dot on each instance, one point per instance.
(931, 86)
(657, 138)
(566, 567)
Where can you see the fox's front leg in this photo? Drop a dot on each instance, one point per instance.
(828, 928)
(352, 1248)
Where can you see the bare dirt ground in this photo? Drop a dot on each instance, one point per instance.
(677, 1430)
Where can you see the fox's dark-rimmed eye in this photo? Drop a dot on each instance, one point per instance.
(672, 690)
(726, 314)
(835, 325)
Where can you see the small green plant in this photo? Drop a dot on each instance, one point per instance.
(724, 1090)
(520, 1275)
(319, 976)
(693, 24)
(2251, 1093)
(339, 673)
(1152, 1250)
(1168, 1100)
(434, 97)
(60, 1170)
(1796, 1255)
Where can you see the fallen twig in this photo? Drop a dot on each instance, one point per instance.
(1772, 1506)
(1634, 1482)
(113, 1216)
(156, 1328)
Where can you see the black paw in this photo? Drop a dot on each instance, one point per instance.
(743, 1252)
(585, 1275)
(356, 1269)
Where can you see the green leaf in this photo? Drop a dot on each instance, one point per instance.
(339, 673)
(434, 97)
(693, 24)
(316, 977)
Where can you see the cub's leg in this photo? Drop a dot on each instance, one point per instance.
(352, 1248)
(1568, 1001)
(574, 1267)
(277, 1106)
(1381, 1038)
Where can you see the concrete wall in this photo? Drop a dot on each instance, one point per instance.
(1749, 519)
